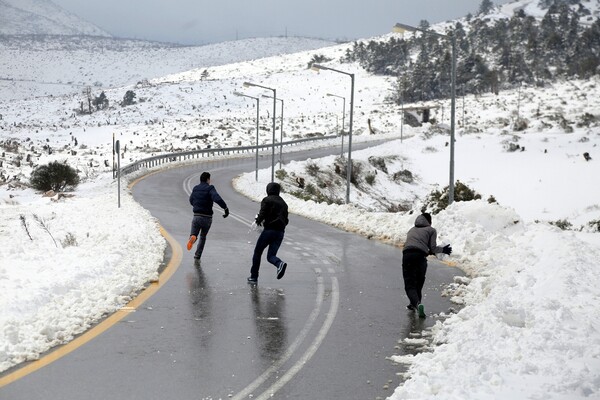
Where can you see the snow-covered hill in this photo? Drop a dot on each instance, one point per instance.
(42, 17)
(57, 65)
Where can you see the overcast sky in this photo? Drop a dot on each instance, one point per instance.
(202, 22)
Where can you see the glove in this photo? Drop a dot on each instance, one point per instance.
(226, 213)
(257, 222)
(447, 249)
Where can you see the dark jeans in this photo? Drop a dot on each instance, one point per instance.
(200, 227)
(414, 268)
(269, 238)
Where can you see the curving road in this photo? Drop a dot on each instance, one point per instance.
(322, 332)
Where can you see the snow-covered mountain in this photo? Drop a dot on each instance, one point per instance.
(33, 66)
(42, 17)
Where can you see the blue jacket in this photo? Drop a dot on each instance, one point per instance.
(202, 198)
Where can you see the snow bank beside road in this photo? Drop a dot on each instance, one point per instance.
(86, 258)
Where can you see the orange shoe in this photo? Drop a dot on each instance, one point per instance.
(191, 242)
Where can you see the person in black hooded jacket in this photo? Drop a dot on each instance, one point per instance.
(273, 215)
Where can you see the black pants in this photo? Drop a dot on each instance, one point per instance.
(270, 238)
(414, 268)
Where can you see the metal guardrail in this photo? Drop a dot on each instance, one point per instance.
(154, 161)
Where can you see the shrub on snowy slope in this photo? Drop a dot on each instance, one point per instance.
(438, 201)
(54, 176)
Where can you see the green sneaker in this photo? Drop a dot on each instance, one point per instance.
(421, 309)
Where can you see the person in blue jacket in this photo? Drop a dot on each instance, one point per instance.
(202, 198)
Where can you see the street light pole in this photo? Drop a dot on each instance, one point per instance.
(318, 67)
(407, 28)
(281, 133)
(281, 136)
(343, 117)
(257, 128)
(249, 84)
(452, 121)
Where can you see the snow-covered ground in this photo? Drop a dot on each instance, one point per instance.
(529, 326)
(528, 322)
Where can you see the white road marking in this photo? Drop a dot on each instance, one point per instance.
(299, 339)
(312, 349)
(333, 308)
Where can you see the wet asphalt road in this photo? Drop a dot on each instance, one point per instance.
(322, 332)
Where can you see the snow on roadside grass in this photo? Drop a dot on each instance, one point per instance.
(103, 256)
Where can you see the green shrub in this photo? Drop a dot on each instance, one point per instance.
(379, 163)
(438, 201)
(586, 120)
(340, 169)
(370, 179)
(318, 59)
(311, 192)
(129, 98)
(520, 124)
(69, 240)
(281, 174)
(563, 224)
(312, 168)
(311, 189)
(54, 176)
(405, 176)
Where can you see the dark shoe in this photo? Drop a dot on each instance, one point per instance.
(421, 309)
(252, 280)
(411, 307)
(281, 270)
(191, 242)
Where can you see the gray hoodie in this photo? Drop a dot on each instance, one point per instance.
(422, 237)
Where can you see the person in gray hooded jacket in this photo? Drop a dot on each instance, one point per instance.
(420, 243)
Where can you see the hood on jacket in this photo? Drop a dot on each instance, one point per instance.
(422, 221)
(273, 188)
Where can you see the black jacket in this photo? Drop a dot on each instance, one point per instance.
(273, 209)
(202, 198)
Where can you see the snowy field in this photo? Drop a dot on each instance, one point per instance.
(528, 321)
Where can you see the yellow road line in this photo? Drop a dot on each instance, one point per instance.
(106, 323)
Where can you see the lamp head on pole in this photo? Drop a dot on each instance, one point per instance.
(244, 95)
(317, 67)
